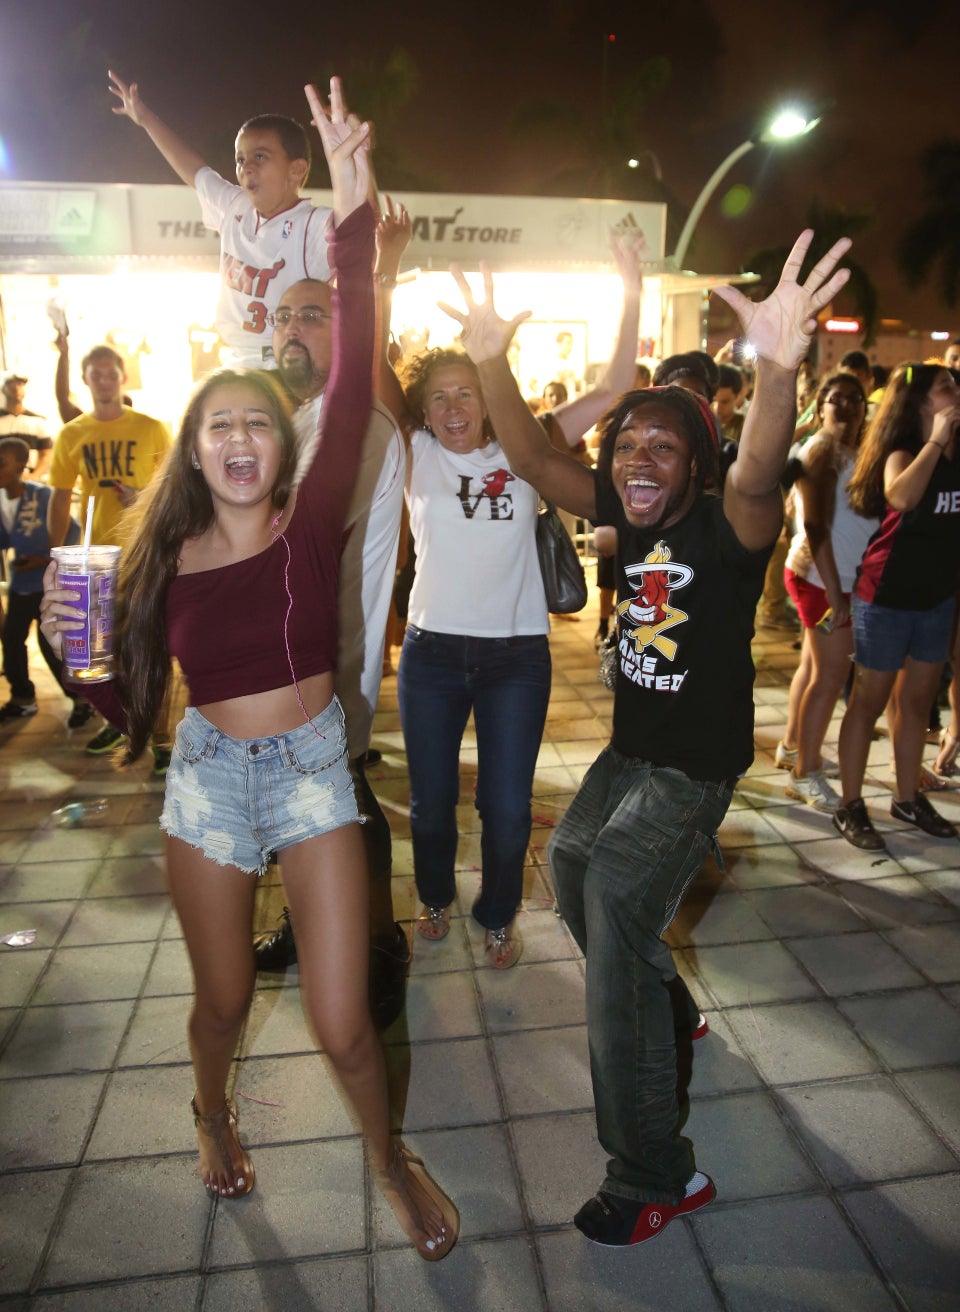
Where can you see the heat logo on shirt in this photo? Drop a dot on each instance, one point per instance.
(244, 278)
(494, 491)
(644, 619)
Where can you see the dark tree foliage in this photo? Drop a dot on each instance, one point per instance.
(829, 224)
(929, 248)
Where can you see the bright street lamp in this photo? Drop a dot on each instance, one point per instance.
(787, 125)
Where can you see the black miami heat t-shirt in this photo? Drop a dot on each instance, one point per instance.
(686, 601)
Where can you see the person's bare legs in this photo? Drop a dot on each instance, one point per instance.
(215, 906)
(830, 659)
(916, 688)
(798, 687)
(868, 697)
(328, 888)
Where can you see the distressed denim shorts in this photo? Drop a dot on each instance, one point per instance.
(239, 799)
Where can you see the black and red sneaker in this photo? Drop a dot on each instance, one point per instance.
(702, 1027)
(615, 1221)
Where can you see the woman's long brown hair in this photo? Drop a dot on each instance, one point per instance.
(898, 426)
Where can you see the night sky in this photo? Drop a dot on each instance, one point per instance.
(469, 72)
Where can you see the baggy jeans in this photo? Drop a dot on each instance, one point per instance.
(621, 860)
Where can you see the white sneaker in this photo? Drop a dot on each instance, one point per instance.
(785, 758)
(814, 790)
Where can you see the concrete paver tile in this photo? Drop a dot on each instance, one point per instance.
(439, 1084)
(854, 963)
(800, 1041)
(128, 1219)
(864, 1130)
(339, 1283)
(752, 972)
(741, 1142)
(934, 949)
(662, 1275)
(308, 1200)
(530, 996)
(545, 1070)
(44, 1122)
(912, 1228)
(94, 974)
(28, 1206)
(473, 1166)
(496, 1276)
(561, 1164)
(909, 1029)
(784, 1254)
(66, 1040)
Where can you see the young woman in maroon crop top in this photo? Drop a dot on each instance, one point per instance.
(236, 575)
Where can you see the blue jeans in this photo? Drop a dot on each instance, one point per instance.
(506, 683)
(621, 859)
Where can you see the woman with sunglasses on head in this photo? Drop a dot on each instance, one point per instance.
(235, 573)
(819, 573)
(907, 473)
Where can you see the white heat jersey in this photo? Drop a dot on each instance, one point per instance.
(368, 563)
(259, 259)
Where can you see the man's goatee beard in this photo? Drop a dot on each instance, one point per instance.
(296, 369)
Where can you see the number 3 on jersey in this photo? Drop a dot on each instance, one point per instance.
(258, 318)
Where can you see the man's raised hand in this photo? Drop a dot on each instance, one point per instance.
(629, 252)
(782, 327)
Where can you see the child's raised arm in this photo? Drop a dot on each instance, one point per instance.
(183, 159)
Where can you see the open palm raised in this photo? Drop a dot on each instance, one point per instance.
(782, 326)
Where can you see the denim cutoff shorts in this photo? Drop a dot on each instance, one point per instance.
(883, 637)
(239, 799)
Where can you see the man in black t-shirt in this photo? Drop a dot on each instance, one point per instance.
(690, 567)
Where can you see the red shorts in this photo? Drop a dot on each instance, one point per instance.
(810, 601)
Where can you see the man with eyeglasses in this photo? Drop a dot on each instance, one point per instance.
(302, 347)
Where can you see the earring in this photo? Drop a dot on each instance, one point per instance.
(195, 463)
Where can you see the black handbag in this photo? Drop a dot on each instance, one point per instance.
(563, 578)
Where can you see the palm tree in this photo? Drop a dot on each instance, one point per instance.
(595, 148)
(591, 152)
(379, 90)
(930, 245)
(829, 224)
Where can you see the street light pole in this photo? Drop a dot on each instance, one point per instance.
(700, 204)
(787, 125)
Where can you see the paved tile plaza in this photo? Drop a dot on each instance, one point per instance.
(825, 1101)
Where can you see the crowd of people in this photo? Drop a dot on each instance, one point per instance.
(278, 505)
(872, 570)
